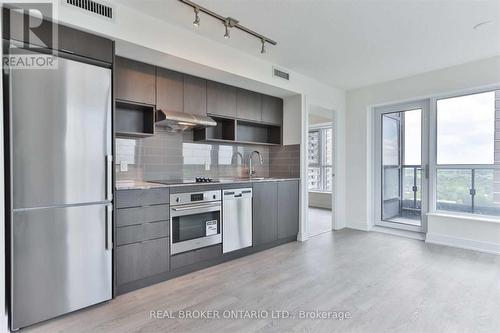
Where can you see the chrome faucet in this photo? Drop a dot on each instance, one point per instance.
(236, 158)
(251, 169)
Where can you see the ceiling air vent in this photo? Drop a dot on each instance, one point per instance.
(93, 6)
(281, 74)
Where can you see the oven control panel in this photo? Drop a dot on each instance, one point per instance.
(197, 197)
(192, 197)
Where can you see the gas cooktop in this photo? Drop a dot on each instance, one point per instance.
(197, 180)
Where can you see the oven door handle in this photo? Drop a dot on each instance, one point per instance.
(187, 207)
(194, 209)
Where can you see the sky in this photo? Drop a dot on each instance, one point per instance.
(466, 129)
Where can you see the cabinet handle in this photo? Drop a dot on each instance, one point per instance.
(109, 227)
(109, 177)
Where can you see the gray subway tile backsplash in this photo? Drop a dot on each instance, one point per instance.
(168, 156)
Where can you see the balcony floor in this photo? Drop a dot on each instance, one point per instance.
(405, 220)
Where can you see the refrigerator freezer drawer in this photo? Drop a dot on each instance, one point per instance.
(60, 262)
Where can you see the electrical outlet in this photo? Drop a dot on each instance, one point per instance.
(123, 166)
(207, 166)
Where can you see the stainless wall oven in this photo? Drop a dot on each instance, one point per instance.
(195, 220)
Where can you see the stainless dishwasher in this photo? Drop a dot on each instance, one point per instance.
(236, 219)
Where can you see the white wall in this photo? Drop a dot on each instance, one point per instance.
(482, 234)
(359, 136)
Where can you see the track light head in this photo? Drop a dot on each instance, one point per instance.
(226, 34)
(196, 21)
(263, 48)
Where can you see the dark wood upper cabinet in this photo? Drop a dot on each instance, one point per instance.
(135, 81)
(248, 105)
(195, 95)
(272, 109)
(69, 40)
(221, 99)
(169, 90)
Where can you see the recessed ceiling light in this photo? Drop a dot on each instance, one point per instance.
(481, 24)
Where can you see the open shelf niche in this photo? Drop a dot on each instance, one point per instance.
(134, 119)
(224, 131)
(260, 133)
(239, 131)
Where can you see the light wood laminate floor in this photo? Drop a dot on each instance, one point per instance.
(320, 220)
(388, 283)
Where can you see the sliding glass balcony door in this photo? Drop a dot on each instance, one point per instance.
(401, 172)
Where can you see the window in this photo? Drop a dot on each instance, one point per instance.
(467, 154)
(320, 157)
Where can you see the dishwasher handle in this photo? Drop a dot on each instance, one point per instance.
(237, 193)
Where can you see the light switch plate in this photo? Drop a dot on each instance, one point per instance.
(123, 166)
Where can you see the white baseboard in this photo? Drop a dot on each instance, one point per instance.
(463, 243)
(356, 227)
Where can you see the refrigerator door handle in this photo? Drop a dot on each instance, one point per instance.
(109, 177)
(109, 227)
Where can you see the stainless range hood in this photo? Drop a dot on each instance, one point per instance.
(180, 121)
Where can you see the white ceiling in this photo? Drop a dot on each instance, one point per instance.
(350, 43)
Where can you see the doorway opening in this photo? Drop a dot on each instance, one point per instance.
(320, 170)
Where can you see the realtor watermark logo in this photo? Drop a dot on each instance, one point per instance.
(249, 314)
(33, 34)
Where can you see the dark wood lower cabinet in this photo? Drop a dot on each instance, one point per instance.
(155, 256)
(142, 243)
(288, 208)
(275, 211)
(142, 260)
(195, 256)
(265, 215)
(142, 252)
(141, 232)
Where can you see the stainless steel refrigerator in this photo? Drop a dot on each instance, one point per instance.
(61, 190)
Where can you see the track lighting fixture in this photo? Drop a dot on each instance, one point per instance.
(226, 26)
(228, 22)
(196, 21)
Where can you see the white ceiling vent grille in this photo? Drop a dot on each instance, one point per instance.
(281, 74)
(93, 7)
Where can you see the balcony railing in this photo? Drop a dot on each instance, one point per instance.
(468, 189)
(411, 178)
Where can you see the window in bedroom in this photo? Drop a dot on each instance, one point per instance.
(320, 159)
